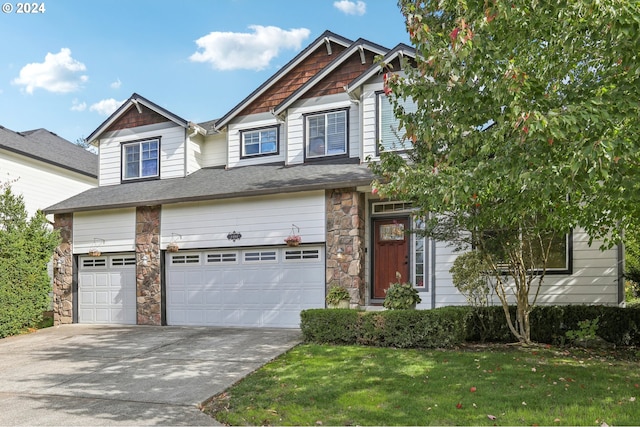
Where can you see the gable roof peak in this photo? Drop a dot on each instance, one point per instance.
(326, 38)
(137, 101)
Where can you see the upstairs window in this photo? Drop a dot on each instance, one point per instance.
(326, 134)
(390, 136)
(140, 159)
(259, 142)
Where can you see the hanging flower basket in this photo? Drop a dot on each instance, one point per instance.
(173, 247)
(293, 240)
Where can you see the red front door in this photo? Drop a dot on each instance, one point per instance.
(391, 253)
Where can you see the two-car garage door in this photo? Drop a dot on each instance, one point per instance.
(257, 287)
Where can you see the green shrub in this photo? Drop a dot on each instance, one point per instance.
(442, 327)
(335, 326)
(337, 294)
(488, 324)
(450, 326)
(401, 296)
(26, 246)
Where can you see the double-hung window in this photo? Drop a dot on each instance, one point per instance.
(141, 159)
(326, 134)
(390, 136)
(260, 142)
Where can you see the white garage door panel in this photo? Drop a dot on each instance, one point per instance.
(107, 292)
(254, 287)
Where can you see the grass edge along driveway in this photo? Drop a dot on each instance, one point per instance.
(472, 385)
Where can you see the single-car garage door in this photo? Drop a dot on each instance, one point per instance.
(107, 289)
(258, 287)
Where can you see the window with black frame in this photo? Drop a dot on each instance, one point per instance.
(257, 142)
(532, 247)
(140, 159)
(326, 134)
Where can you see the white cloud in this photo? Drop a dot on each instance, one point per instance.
(59, 73)
(250, 51)
(350, 7)
(106, 106)
(116, 84)
(78, 106)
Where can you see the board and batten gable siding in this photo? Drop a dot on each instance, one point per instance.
(109, 230)
(172, 150)
(247, 123)
(594, 279)
(264, 220)
(214, 150)
(41, 184)
(295, 126)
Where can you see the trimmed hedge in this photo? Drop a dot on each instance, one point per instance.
(442, 327)
(450, 326)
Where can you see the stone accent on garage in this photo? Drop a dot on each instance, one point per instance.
(148, 288)
(63, 271)
(345, 215)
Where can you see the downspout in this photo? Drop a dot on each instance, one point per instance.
(621, 256)
(433, 274)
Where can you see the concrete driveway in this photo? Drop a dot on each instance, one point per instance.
(127, 375)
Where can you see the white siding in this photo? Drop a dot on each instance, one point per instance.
(369, 134)
(214, 150)
(261, 221)
(194, 153)
(117, 227)
(594, 279)
(445, 292)
(295, 124)
(40, 184)
(172, 150)
(235, 142)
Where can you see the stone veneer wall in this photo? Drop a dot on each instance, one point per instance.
(63, 277)
(148, 289)
(345, 229)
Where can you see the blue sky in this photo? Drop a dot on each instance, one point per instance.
(67, 68)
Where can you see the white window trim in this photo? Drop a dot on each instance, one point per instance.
(222, 261)
(259, 132)
(305, 255)
(185, 259)
(260, 254)
(124, 159)
(91, 263)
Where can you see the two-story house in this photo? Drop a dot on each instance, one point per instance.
(189, 221)
(44, 168)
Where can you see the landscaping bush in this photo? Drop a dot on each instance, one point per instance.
(329, 326)
(449, 326)
(26, 246)
(488, 324)
(442, 327)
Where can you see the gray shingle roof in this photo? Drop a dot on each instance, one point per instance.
(213, 183)
(45, 146)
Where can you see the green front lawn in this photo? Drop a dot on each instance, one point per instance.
(479, 385)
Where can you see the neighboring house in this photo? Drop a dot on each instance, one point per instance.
(289, 159)
(44, 168)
